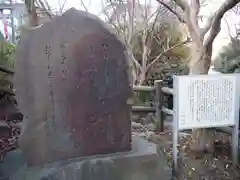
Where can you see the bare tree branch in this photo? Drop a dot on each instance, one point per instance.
(115, 17)
(84, 6)
(32, 14)
(207, 27)
(216, 22)
(145, 9)
(137, 63)
(180, 18)
(145, 33)
(131, 15)
(62, 6)
(182, 4)
(153, 14)
(193, 17)
(46, 11)
(47, 5)
(228, 28)
(165, 51)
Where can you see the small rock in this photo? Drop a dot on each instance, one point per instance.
(150, 127)
(148, 119)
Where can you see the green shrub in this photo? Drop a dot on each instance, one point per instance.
(228, 59)
(7, 51)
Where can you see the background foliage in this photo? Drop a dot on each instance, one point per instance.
(175, 61)
(7, 51)
(228, 59)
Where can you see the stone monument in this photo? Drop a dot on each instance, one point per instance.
(73, 85)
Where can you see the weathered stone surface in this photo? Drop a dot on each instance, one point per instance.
(12, 162)
(72, 85)
(142, 163)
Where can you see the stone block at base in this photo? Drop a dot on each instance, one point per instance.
(142, 163)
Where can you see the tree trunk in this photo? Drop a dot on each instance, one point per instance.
(32, 13)
(202, 139)
(33, 18)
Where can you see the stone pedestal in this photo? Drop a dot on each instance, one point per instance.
(142, 163)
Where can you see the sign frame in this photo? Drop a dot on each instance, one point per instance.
(175, 125)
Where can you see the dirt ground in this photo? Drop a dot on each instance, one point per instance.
(205, 166)
(215, 166)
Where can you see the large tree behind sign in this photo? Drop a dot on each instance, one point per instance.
(227, 60)
(201, 51)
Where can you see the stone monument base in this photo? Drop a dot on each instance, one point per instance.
(142, 163)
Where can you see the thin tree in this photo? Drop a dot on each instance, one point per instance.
(131, 19)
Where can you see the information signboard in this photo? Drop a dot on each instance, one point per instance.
(206, 101)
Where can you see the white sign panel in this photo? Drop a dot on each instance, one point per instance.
(203, 101)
